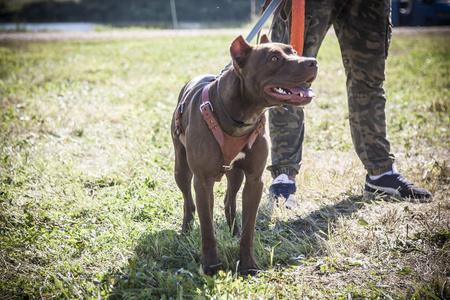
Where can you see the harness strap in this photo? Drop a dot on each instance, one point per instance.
(210, 119)
(230, 146)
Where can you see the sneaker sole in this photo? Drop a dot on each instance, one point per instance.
(275, 201)
(290, 203)
(379, 195)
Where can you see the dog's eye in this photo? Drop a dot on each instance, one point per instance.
(274, 58)
(295, 52)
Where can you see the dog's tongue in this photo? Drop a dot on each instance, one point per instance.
(303, 92)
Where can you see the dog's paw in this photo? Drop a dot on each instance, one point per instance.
(212, 270)
(252, 272)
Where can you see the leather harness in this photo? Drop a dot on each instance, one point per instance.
(230, 146)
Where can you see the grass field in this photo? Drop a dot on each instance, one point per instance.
(89, 208)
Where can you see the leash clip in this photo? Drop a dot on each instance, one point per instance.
(206, 103)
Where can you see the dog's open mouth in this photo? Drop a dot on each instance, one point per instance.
(294, 95)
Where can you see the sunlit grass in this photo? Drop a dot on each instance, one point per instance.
(89, 207)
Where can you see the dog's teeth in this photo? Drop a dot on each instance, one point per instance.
(280, 90)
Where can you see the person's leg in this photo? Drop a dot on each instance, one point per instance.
(363, 31)
(362, 28)
(286, 124)
(287, 132)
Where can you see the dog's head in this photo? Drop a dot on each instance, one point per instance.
(274, 72)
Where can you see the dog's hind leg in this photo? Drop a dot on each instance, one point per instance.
(234, 182)
(183, 178)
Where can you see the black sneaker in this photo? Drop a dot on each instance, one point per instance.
(395, 186)
(282, 187)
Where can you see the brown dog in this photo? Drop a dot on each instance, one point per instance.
(211, 112)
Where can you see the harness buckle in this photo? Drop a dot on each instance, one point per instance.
(226, 167)
(181, 107)
(206, 103)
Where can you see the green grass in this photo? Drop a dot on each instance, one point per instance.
(89, 207)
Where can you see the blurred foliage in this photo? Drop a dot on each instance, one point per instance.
(125, 11)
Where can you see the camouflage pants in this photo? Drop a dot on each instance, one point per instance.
(363, 31)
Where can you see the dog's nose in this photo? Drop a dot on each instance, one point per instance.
(310, 62)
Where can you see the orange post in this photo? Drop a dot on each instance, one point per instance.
(298, 25)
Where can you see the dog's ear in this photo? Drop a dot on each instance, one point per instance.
(239, 49)
(264, 39)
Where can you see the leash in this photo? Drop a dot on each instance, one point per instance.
(298, 25)
(263, 19)
(259, 25)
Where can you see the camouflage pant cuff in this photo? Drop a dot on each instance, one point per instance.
(289, 171)
(379, 170)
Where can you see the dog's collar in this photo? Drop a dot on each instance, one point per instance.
(235, 123)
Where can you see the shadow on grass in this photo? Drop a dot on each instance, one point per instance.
(167, 264)
(301, 237)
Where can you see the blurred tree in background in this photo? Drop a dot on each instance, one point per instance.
(108, 11)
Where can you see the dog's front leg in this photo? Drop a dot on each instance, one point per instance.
(251, 196)
(205, 203)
